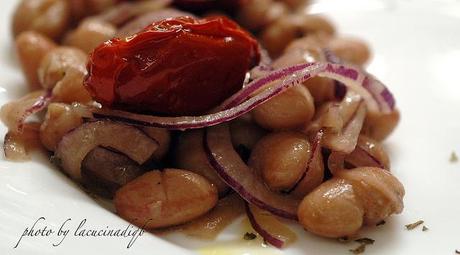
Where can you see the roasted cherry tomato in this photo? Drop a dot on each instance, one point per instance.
(180, 66)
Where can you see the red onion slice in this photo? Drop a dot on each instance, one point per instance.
(126, 139)
(360, 157)
(315, 156)
(282, 80)
(270, 228)
(292, 78)
(378, 98)
(17, 146)
(15, 113)
(368, 153)
(333, 116)
(345, 141)
(259, 83)
(241, 178)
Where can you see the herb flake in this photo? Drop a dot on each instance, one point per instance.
(414, 225)
(365, 240)
(453, 157)
(425, 228)
(358, 250)
(249, 236)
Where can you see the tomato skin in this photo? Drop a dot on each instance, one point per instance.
(180, 66)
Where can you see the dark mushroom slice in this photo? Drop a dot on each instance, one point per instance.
(104, 171)
(163, 137)
(76, 144)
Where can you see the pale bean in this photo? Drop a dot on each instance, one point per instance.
(308, 51)
(84, 8)
(350, 50)
(292, 109)
(63, 70)
(165, 198)
(49, 17)
(255, 14)
(189, 154)
(380, 192)
(31, 47)
(59, 119)
(297, 5)
(281, 159)
(332, 210)
(352, 198)
(245, 133)
(318, 41)
(380, 125)
(290, 27)
(89, 34)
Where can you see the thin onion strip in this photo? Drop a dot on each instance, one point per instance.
(283, 79)
(233, 171)
(314, 153)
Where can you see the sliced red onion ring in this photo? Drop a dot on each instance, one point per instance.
(76, 144)
(240, 103)
(17, 146)
(315, 154)
(345, 141)
(264, 66)
(339, 88)
(292, 78)
(333, 116)
(368, 153)
(270, 228)
(259, 83)
(378, 98)
(15, 113)
(331, 57)
(361, 157)
(241, 178)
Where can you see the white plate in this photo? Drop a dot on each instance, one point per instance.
(416, 48)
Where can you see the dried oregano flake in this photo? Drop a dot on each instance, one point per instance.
(358, 250)
(249, 236)
(453, 157)
(363, 243)
(414, 225)
(365, 240)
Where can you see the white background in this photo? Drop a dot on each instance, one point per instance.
(416, 47)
